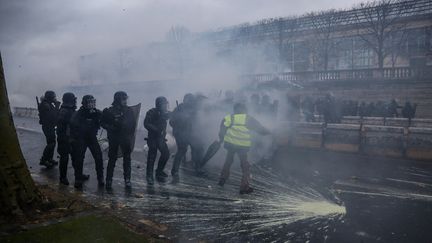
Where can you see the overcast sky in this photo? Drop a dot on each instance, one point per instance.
(40, 40)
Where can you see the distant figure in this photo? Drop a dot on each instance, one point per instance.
(319, 104)
(380, 109)
(266, 106)
(362, 109)
(408, 111)
(235, 133)
(48, 112)
(308, 109)
(345, 108)
(353, 108)
(336, 111)
(370, 111)
(293, 108)
(228, 100)
(330, 109)
(393, 109)
(274, 108)
(255, 103)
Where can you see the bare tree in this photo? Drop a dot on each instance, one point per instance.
(18, 192)
(377, 21)
(396, 45)
(324, 25)
(284, 36)
(177, 36)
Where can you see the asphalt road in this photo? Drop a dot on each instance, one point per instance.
(305, 196)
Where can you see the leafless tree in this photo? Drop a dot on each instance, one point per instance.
(177, 36)
(284, 36)
(322, 43)
(377, 21)
(396, 44)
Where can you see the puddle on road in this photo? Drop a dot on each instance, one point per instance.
(201, 209)
(198, 207)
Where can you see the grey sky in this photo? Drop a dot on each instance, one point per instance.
(40, 40)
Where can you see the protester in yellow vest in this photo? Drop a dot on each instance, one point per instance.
(235, 133)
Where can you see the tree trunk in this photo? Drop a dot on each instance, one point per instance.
(18, 191)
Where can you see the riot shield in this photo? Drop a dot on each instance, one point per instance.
(136, 112)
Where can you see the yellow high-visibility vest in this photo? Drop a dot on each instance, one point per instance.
(237, 132)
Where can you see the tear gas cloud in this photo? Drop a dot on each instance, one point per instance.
(42, 41)
(147, 48)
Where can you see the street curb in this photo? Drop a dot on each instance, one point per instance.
(28, 130)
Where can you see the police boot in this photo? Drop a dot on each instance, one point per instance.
(221, 182)
(53, 162)
(46, 163)
(150, 179)
(101, 183)
(160, 178)
(161, 174)
(175, 178)
(149, 172)
(84, 177)
(201, 172)
(246, 190)
(100, 179)
(127, 179)
(64, 181)
(128, 184)
(78, 185)
(108, 184)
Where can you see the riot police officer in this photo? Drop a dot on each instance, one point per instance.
(85, 125)
(156, 122)
(64, 141)
(119, 121)
(48, 111)
(183, 120)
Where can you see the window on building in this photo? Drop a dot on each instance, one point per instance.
(364, 58)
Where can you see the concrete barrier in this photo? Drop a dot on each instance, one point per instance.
(416, 122)
(283, 133)
(351, 120)
(307, 134)
(396, 122)
(342, 137)
(383, 140)
(419, 144)
(377, 121)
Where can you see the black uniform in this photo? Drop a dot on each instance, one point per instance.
(119, 121)
(183, 119)
(156, 122)
(85, 126)
(48, 112)
(65, 145)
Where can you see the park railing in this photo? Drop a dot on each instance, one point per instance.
(397, 73)
(26, 112)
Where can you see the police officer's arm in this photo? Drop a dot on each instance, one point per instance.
(256, 126)
(44, 108)
(173, 117)
(106, 120)
(98, 116)
(222, 131)
(148, 122)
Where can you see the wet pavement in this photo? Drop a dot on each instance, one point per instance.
(301, 196)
